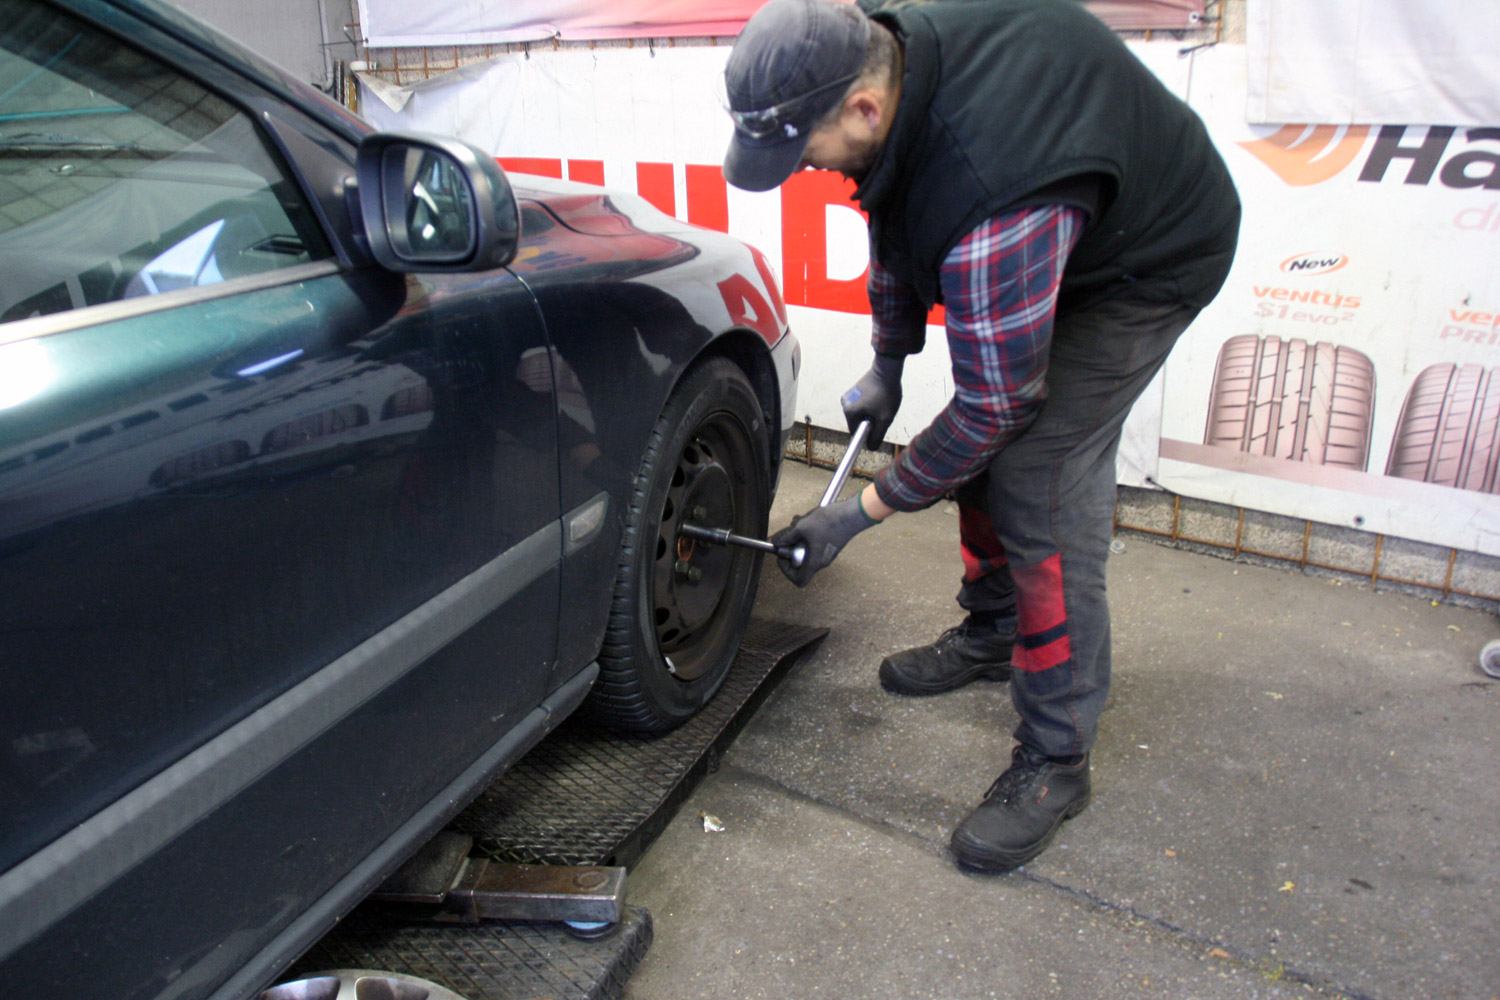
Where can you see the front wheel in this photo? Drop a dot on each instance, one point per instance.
(680, 607)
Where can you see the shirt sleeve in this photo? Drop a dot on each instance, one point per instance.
(1000, 286)
(898, 317)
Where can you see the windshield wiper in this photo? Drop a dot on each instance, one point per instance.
(49, 143)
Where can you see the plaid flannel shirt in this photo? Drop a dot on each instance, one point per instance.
(999, 287)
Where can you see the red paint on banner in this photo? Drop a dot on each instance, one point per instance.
(539, 165)
(586, 171)
(653, 181)
(707, 197)
(805, 198)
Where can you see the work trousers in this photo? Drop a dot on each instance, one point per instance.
(1035, 526)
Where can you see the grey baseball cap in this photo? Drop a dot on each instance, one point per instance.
(791, 64)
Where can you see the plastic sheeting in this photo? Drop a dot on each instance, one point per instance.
(395, 23)
(1374, 62)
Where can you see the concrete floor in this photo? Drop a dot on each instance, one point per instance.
(1296, 792)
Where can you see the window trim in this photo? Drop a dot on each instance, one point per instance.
(123, 309)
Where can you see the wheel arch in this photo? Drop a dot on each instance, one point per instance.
(749, 352)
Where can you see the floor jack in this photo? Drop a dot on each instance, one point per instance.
(444, 883)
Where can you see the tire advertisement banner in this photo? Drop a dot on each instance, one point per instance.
(1348, 373)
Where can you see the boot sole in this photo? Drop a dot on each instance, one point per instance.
(897, 683)
(981, 857)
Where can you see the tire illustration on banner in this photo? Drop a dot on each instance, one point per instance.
(1449, 431)
(1290, 399)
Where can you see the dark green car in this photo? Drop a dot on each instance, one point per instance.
(336, 468)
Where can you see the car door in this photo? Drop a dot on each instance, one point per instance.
(278, 534)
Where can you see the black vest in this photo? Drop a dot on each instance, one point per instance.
(1006, 103)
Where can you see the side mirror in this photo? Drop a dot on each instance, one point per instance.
(429, 203)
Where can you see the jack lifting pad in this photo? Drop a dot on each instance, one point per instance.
(585, 795)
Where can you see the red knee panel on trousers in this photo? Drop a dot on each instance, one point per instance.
(977, 542)
(1043, 640)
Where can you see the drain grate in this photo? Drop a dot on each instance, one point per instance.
(583, 796)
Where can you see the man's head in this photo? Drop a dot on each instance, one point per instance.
(810, 83)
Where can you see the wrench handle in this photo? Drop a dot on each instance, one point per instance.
(846, 464)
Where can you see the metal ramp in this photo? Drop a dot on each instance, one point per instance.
(583, 796)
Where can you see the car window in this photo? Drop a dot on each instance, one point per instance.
(120, 177)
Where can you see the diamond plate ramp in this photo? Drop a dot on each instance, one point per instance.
(590, 796)
(487, 961)
(585, 795)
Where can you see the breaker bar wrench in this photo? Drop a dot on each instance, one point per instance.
(796, 556)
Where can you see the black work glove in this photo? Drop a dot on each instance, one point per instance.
(875, 397)
(824, 531)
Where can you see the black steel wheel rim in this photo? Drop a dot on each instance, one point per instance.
(694, 585)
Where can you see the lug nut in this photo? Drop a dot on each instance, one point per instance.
(685, 569)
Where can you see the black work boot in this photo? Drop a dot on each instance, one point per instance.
(1021, 812)
(966, 652)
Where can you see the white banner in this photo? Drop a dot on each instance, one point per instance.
(1361, 62)
(395, 23)
(652, 124)
(1349, 372)
(1365, 278)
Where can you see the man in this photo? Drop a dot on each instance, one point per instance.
(1019, 166)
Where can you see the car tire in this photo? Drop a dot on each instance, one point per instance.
(680, 607)
(1290, 399)
(1449, 431)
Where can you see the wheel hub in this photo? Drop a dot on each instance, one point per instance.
(691, 577)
